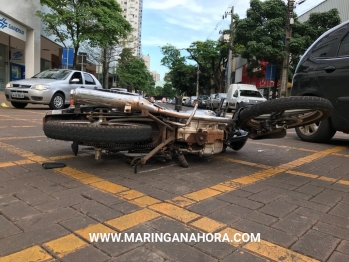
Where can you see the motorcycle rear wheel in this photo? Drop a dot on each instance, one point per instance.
(289, 112)
(86, 132)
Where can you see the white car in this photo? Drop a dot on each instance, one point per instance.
(50, 87)
(243, 95)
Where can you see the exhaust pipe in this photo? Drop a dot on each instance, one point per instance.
(137, 103)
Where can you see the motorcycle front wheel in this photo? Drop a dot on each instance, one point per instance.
(287, 112)
(87, 132)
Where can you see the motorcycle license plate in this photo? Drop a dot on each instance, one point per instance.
(17, 95)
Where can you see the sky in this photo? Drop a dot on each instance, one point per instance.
(181, 22)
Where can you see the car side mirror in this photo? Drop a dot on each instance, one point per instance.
(75, 81)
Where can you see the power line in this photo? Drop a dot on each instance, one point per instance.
(220, 21)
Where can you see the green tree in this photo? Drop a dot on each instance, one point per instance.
(262, 34)
(99, 22)
(181, 74)
(168, 91)
(132, 72)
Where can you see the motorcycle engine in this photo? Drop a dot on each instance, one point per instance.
(202, 137)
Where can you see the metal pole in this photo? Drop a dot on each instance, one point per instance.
(197, 81)
(67, 57)
(289, 22)
(230, 57)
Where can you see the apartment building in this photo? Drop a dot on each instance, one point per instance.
(156, 76)
(132, 11)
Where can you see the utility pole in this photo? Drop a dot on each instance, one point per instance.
(197, 81)
(289, 23)
(230, 57)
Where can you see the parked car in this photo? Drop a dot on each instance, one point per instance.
(243, 95)
(184, 98)
(323, 71)
(202, 100)
(50, 87)
(191, 100)
(215, 99)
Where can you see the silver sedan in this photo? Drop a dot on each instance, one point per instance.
(51, 87)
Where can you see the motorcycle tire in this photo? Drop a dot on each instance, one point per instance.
(86, 132)
(290, 112)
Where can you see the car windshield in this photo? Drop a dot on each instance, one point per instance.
(250, 93)
(58, 74)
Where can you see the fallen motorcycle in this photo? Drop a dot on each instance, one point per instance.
(114, 122)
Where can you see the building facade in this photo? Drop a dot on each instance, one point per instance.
(156, 76)
(19, 40)
(341, 5)
(132, 11)
(146, 59)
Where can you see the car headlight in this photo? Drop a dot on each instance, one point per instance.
(40, 87)
(9, 85)
(246, 100)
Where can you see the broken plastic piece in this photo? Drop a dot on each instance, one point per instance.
(50, 165)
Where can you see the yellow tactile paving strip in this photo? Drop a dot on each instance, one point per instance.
(171, 210)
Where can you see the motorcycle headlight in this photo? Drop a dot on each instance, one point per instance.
(9, 84)
(40, 87)
(246, 100)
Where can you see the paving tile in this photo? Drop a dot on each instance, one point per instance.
(139, 254)
(226, 216)
(7, 228)
(46, 219)
(240, 201)
(265, 196)
(5, 176)
(103, 198)
(341, 210)
(278, 208)
(18, 210)
(126, 207)
(294, 224)
(24, 240)
(338, 257)
(88, 253)
(332, 230)
(323, 217)
(310, 189)
(328, 185)
(243, 256)
(326, 198)
(46, 186)
(208, 206)
(77, 223)
(256, 188)
(97, 211)
(72, 192)
(316, 245)
(241, 193)
(253, 215)
(290, 193)
(117, 248)
(307, 204)
(178, 252)
(297, 181)
(61, 203)
(343, 247)
(166, 225)
(270, 234)
(34, 197)
(217, 250)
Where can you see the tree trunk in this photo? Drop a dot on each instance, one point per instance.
(105, 69)
(75, 65)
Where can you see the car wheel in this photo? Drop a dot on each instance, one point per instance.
(318, 132)
(19, 105)
(57, 101)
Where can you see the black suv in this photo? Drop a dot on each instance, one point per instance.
(324, 71)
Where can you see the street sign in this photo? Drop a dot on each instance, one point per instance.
(68, 57)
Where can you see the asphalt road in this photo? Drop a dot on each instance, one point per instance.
(295, 194)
